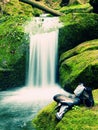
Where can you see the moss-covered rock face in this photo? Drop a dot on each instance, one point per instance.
(15, 7)
(14, 77)
(76, 8)
(80, 64)
(13, 45)
(78, 27)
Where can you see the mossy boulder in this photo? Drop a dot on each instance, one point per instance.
(80, 64)
(13, 46)
(15, 76)
(77, 28)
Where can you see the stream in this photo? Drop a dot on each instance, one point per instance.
(19, 106)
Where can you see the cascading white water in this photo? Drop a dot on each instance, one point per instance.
(42, 62)
(43, 51)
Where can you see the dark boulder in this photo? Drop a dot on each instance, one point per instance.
(94, 3)
(64, 3)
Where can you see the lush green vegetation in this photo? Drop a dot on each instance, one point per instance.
(78, 27)
(86, 46)
(80, 64)
(14, 7)
(79, 118)
(80, 8)
(13, 46)
(12, 39)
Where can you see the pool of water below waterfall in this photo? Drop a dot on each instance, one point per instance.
(18, 107)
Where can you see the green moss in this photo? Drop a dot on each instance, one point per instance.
(15, 7)
(76, 8)
(80, 65)
(50, 118)
(12, 39)
(75, 119)
(77, 29)
(79, 119)
(86, 46)
(13, 45)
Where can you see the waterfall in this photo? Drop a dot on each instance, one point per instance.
(43, 48)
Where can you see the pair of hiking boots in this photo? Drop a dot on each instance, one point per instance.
(81, 95)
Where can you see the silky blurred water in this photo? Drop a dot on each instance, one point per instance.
(43, 51)
(18, 107)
